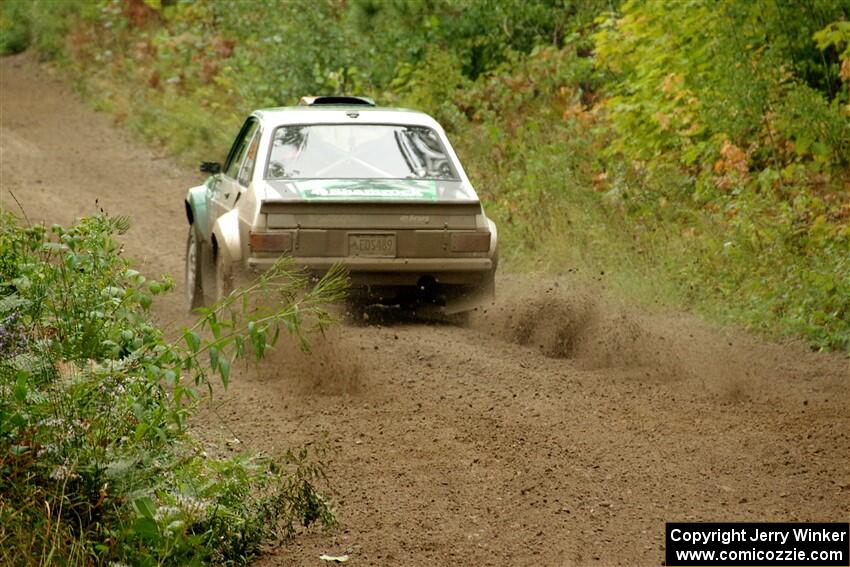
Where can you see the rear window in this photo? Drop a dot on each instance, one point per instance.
(358, 151)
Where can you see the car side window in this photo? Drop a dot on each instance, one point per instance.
(237, 152)
(247, 170)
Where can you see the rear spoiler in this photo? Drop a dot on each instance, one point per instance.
(336, 101)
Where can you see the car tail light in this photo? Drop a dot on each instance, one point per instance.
(470, 242)
(270, 241)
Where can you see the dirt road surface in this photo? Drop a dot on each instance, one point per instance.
(557, 430)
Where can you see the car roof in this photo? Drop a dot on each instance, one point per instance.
(343, 114)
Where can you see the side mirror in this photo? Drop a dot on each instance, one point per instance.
(211, 167)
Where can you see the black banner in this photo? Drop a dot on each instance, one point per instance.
(762, 544)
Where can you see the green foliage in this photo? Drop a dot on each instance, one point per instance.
(96, 462)
(481, 34)
(43, 24)
(692, 74)
(15, 34)
(837, 36)
(748, 99)
(432, 85)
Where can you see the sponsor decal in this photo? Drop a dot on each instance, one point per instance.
(359, 190)
(423, 219)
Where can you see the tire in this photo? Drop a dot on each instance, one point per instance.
(194, 271)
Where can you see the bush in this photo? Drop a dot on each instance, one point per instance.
(15, 34)
(95, 462)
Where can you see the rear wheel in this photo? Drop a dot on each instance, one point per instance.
(194, 272)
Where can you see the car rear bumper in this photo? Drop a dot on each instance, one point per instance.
(395, 272)
(360, 264)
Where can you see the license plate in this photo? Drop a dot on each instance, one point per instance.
(380, 245)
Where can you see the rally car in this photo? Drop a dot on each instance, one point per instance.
(338, 180)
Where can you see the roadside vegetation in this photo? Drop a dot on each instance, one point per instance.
(96, 465)
(695, 153)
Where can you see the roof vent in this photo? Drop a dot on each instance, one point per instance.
(336, 101)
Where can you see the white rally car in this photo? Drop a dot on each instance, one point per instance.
(338, 180)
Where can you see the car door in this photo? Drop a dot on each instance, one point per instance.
(225, 193)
